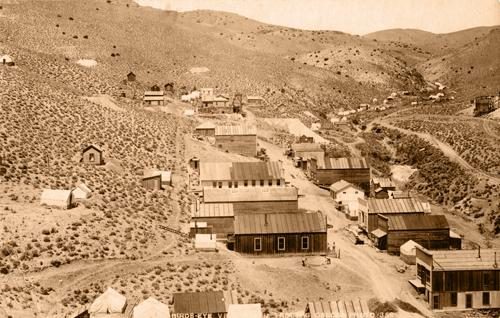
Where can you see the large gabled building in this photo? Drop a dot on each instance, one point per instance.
(237, 139)
(326, 171)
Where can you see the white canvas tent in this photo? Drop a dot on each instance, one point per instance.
(244, 311)
(109, 303)
(205, 242)
(166, 177)
(408, 252)
(56, 198)
(151, 308)
(5, 59)
(81, 192)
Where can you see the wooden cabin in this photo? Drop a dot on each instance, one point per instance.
(431, 231)
(380, 187)
(278, 234)
(483, 105)
(371, 208)
(338, 308)
(206, 129)
(131, 77)
(255, 199)
(326, 171)
(346, 197)
(459, 279)
(154, 98)
(152, 182)
(169, 88)
(218, 216)
(215, 104)
(202, 304)
(237, 139)
(255, 101)
(92, 155)
(242, 174)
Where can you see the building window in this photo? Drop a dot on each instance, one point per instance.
(230, 184)
(486, 281)
(468, 300)
(236, 184)
(278, 182)
(486, 298)
(257, 244)
(344, 192)
(214, 184)
(436, 301)
(220, 185)
(270, 183)
(355, 192)
(245, 183)
(453, 299)
(305, 242)
(281, 243)
(261, 183)
(91, 157)
(254, 183)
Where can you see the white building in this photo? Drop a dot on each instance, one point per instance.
(57, 198)
(346, 195)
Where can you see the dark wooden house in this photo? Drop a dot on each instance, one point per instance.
(483, 105)
(218, 216)
(326, 171)
(202, 304)
(155, 88)
(92, 155)
(280, 234)
(237, 139)
(131, 77)
(169, 87)
(430, 231)
(152, 182)
(459, 279)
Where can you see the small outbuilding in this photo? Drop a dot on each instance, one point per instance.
(255, 101)
(205, 242)
(205, 129)
(108, 304)
(244, 311)
(92, 155)
(6, 60)
(81, 192)
(166, 177)
(346, 196)
(62, 199)
(152, 182)
(151, 308)
(237, 139)
(408, 252)
(131, 77)
(218, 216)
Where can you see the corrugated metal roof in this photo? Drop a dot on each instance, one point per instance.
(379, 233)
(200, 302)
(343, 163)
(279, 223)
(240, 171)
(464, 259)
(212, 210)
(386, 206)
(307, 147)
(383, 182)
(417, 222)
(249, 194)
(340, 308)
(235, 130)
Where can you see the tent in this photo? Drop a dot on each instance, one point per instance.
(151, 308)
(166, 177)
(6, 59)
(56, 198)
(408, 252)
(205, 242)
(81, 192)
(244, 311)
(110, 302)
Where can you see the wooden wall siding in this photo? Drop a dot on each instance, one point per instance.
(317, 244)
(152, 184)
(373, 223)
(430, 239)
(359, 177)
(97, 157)
(477, 300)
(222, 226)
(206, 132)
(266, 207)
(462, 281)
(245, 145)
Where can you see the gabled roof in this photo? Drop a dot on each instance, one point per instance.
(165, 175)
(131, 73)
(279, 223)
(307, 147)
(417, 222)
(92, 146)
(55, 195)
(208, 210)
(343, 163)
(449, 260)
(206, 125)
(387, 206)
(240, 171)
(341, 185)
(151, 308)
(249, 194)
(340, 308)
(383, 182)
(83, 187)
(200, 302)
(235, 130)
(152, 176)
(108, 302)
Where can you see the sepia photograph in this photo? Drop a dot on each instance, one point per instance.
(249, 158)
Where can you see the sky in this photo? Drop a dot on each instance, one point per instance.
(352, 16)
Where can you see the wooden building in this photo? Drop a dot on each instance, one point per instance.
(326, 171)
(215, 104)
(169, 88)
(338, 308)
(255, 199)
(202, 304)
(484, 105)
(430, 231)
(206, 129)
(92, 155)
(371, 208)
(305, 139)
(242, 174)
(206, 91)
(380, 187)
(218, 216)
(237, 139)
(154, 98)
(346, 197)
(279, 234)
(131, 77)
(304, 151)
(152, 182)
(255, 101)
(459, 279)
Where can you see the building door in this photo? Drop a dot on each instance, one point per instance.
(435, 301)
(468, 301)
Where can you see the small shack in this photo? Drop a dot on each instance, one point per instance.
(154, 98)
(380, 187)
(278, 234)
(108, 304)
(408, 252)
(205, 242)
(62, 199)
(346, 196)
(131, 77)
(255, 101)
(81, 192)
(202, 304)
(166, 177)
(194, 163)
(6, 60)
(218, 216)
(152, 182)
(151, 308)
(92, 155)
(237, 139)
(326, 171)
(338, 308)
(244, 311)
(255, 199)
(205, 129)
